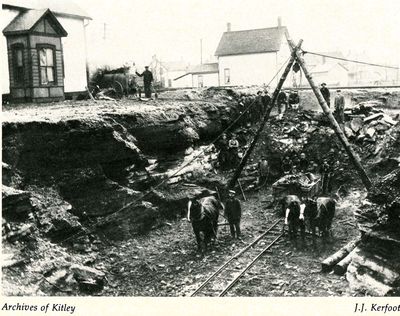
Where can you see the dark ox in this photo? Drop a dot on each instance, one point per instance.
(294, 219)
(319, 214)
(203, 214)
(125, 83)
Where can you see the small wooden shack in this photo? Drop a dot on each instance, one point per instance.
(35, 57)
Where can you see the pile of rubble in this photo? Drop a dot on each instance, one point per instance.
(375, 268)
(367, 125)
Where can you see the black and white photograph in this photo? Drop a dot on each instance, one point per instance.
(200, 149)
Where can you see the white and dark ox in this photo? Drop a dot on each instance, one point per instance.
(319, 214)
(203, 214)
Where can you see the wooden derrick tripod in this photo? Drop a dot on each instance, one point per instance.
(296, 56)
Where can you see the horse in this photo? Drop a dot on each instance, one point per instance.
(319, 214)
(203, 214)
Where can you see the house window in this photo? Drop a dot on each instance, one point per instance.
(227, 75)
(46, 65)
(200, 81)
(18, 63)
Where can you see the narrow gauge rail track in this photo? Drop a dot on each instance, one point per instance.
(227, 275)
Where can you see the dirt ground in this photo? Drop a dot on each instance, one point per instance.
(166, 262)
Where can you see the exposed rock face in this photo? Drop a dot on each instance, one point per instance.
(375, 267)
(94, 160)
(16, 203)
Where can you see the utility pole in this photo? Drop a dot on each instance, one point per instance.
(352, 155)
(246, 156)
(201, 51)
(104, 30)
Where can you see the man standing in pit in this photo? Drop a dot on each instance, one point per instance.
(294, 100)
(326, 94)
(303, 163)
(147, 80)
(263, 171)
(282, 100)
(233, 150)
(266, 99)
(233, 213)
(339, 108)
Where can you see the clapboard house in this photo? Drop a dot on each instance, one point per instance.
(251, 57)
(43, 50)
(35, 57)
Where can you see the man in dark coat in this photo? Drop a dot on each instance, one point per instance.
(147, 80)
(233, 213)
(294, 100)
(282, 101)
(326, 94)
(263, 171)
(266, 99)
(303, 163)
(339, 109)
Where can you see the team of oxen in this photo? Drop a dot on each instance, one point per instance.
(300, 213)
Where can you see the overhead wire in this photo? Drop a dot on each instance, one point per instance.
(349, 60)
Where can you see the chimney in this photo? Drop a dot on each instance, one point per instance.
(228, 27)
(279, 21)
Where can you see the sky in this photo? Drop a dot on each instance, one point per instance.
(135, 30)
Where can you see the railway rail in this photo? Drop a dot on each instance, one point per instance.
(228, 274)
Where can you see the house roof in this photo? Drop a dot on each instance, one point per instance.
(204, 68)
(26, 21)
(58, 7)
(209, 68)
(251, 41)
(175, 65)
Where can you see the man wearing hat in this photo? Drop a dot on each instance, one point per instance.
(233, 213)
(326, 94)
(147, 80)
(339, 108)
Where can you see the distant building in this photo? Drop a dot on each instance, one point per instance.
(205, 75)
(251, 57)
(165, 72)
(367, 75)
(333, 74)
(44, 49)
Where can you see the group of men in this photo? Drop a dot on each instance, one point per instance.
(293, 101)
(228, 156)
(257, 106)
(294, 163)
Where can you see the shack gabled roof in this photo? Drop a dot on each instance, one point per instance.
(58, 7)
(26, 21)
(251, 41)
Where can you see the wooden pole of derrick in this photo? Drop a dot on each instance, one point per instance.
(246, 156)
(352, 155)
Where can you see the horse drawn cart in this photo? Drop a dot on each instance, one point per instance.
(300, 184)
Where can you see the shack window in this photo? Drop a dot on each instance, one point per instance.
(227, 75)
(46, 65)
(18, 61)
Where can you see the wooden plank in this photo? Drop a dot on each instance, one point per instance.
(332, 260)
